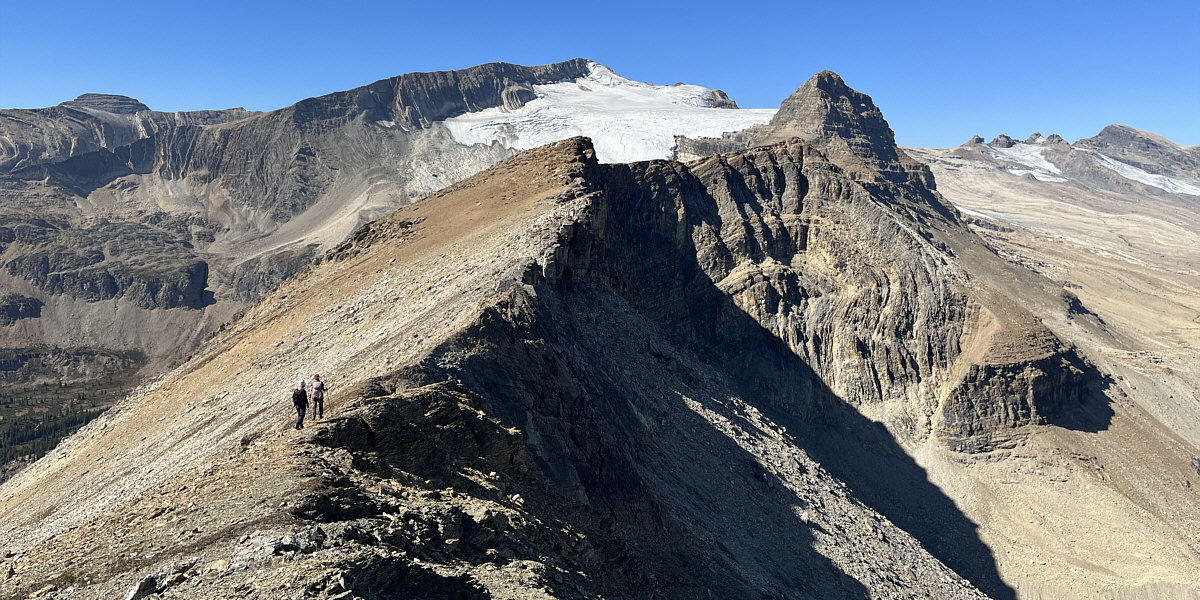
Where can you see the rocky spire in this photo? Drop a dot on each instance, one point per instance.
(847, 126)
(843, 123)
(825, 109)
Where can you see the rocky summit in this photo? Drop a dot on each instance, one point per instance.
(783, 367)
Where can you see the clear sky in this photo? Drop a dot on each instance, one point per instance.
(940, 71)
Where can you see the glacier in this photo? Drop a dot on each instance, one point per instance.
(627, 120)
(1162, 182)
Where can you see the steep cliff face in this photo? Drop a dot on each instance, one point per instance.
(150, 268)
(539, 393)
(860, 267)
(89, 123)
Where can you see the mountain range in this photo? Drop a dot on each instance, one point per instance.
(785, 358)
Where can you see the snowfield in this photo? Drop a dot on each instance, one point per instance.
(1028, 155)
(627, 120)
(1038, 175)
(1162, 182)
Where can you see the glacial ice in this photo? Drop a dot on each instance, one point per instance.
(627, 120)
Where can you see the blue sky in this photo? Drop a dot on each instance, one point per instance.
(940, 71)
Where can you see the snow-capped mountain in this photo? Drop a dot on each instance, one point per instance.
(1120, 159)
(627, 120)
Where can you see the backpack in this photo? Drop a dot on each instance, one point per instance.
(318, 389)
(299, 398)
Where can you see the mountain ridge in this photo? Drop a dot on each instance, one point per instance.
(656, 371)
(608, 479)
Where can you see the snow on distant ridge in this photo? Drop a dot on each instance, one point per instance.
(627, 120)
(1162, 182)
(1029, 155)
(1026, 154)
(1038, 175)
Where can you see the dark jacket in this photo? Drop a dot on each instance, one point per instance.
(299, 397)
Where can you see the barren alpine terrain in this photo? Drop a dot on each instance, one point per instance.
(783, 365)
(1125, 242)
(131, 235)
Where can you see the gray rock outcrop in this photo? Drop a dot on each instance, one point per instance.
(14, 307)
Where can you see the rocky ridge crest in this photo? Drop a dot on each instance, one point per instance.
(583, 454)
(765, 277)
(805, 324)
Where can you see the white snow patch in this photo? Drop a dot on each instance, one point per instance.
(1025, 154)
(627, 120)
(974, 213)
(1038, 175)
(1162, 182)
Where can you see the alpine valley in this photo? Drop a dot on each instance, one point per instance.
(587, 337)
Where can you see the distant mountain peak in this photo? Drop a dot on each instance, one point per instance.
(841, 122)
(111, 103)
(830, 82)
(825, 106)
(1116, 135)
(1146, 151)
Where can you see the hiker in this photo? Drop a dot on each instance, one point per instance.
(300, 400)
(318, 395)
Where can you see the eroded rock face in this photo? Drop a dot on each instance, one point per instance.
(91, 122)
(150, 268)
(857, 275)
(14, 307)
(986, 409)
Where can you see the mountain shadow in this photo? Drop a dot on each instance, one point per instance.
(678, 431)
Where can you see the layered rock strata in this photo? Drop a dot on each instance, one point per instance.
(544, 390)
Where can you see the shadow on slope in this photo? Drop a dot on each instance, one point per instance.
(1092, 412)
(637, 384)
(673, 506)
(614, 367)
(683, 301)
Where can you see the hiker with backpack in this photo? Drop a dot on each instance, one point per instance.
(300, 401)
(318, 395)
